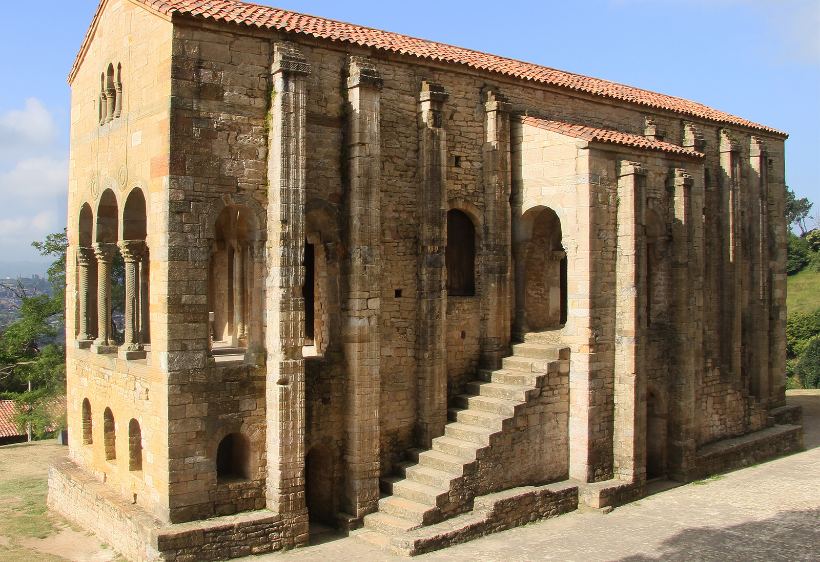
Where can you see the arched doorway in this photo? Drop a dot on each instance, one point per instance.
(541, 272)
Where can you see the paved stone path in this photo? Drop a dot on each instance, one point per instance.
(766, 512)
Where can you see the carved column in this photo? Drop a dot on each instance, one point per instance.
(131, 251)
(239, 329)
(431, 354)
(255, 270)
(629, 446)
(496, 239)
(360, 307)
(118, 101)
(144, 298)
(105, 256)
(687, 312)
(111, 100)
(84, 257)
(103, 108)
(285, 388)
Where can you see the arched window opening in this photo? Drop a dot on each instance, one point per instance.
(88, 437)
(109, 435)
(135, 254)
(233, 283)
(460, 254)
(109, 273)
(86, 282)
(134, 445)
(542, 271)
(233, 458)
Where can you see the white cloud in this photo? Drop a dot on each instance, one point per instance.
(29, 227)
(34, 178)
(27, 128)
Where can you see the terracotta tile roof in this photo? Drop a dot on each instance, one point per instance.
(253, 15)
(609, 136)
(7, 426)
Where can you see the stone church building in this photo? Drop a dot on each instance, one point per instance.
(322, 273)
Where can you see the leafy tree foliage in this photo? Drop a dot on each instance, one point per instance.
(32, 348)
(799, 254)
(808, 367)
(797, 210)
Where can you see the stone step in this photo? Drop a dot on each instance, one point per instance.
(456, 447)
(429, 476)
(404, 508)
(419, 493)
(389, 524)
(376, 538)
(386, 483)
(498, 390)
(468, 416)
(487, 404)
(445, 462)
(470, 433)
(536, 351)
(503, 376)
(526, 364)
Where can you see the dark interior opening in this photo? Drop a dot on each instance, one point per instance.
(309, 293)
(233, 458)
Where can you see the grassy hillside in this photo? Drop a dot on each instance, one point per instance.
(803, 291)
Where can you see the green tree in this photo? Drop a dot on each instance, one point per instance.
(798, 254)
(32, 348)
(797, 210)
(808, 366)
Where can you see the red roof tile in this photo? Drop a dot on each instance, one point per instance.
(609, 136)
(243, 13)
(8, 428)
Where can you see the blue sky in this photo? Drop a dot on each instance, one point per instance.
(759, 59)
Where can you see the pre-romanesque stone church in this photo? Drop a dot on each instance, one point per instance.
(325, 274)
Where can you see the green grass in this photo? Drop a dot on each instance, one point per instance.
(803, 291)
(23, 509)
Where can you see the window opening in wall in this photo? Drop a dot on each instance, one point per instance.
(309, 293)
(88, 434)
(134, 445)
(109, 435)
(460, 254)
(233, 458)
(397, 293)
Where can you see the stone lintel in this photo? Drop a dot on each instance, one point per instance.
(289, 59)
(363, 74)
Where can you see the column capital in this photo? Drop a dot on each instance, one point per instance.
(432, 92)
(289, 59)
(104, 251)
(728, 141)
(431, 101)
(757, 146)
(495, 101)
(132, 250)
(693, 137)
(681, 176)
(85, 255)
(363, 74)
(629, 168)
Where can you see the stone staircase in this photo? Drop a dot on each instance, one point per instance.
(438, 484)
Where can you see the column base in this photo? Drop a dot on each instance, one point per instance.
(83, 344)
(130, 355)
(101, 349)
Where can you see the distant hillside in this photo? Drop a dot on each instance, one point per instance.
(16, 269)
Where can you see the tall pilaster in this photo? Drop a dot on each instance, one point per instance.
(285, 388)
(731, 279)
(431, 354)
(629, 442)
(497, 235)
(131, 251)
(105, 256)
(687, 311)
(84, 257)
(360, 307)
(758, 300)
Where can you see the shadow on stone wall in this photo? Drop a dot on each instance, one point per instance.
(790, 535)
